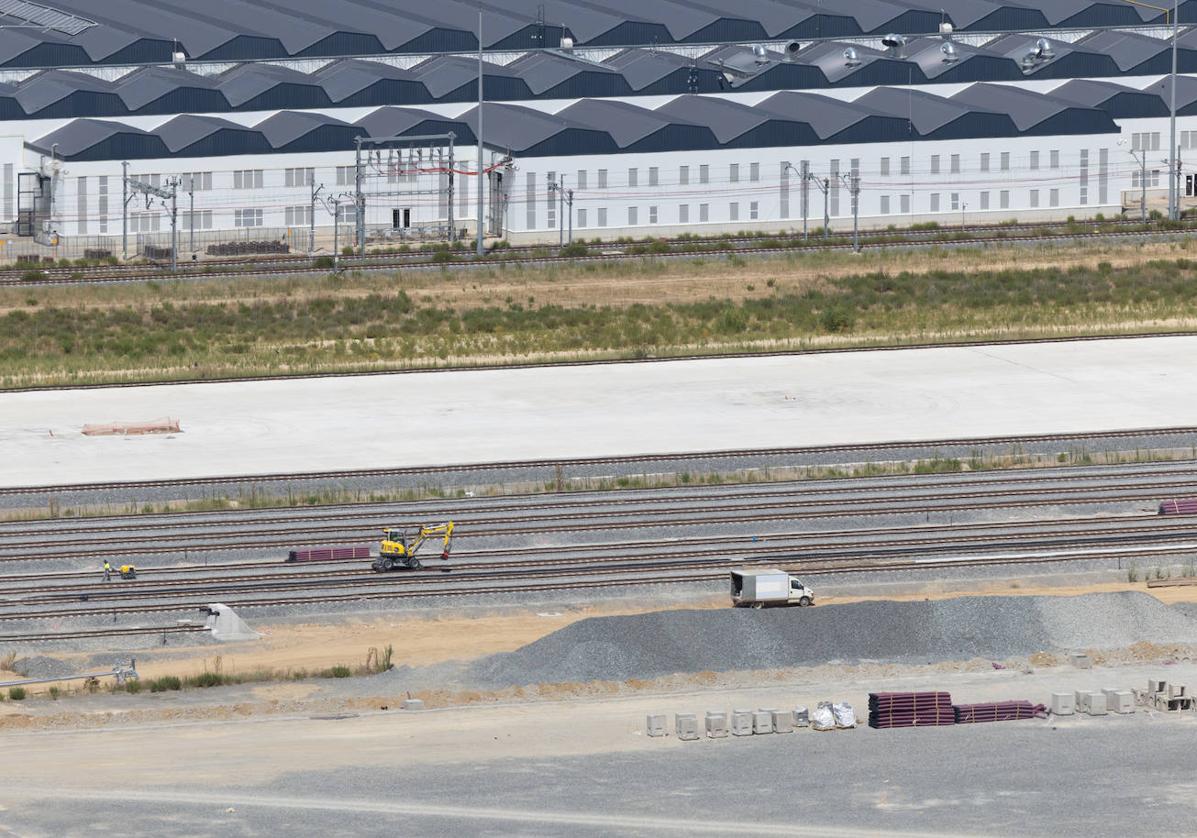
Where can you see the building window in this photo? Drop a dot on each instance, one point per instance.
(733, 173)
(1053, 158)
(199, 181)
(346, 214)
(103, 204)
(904, 166)
(602, 178)
(985, 161)
(81, 205)
(652, 214)
(550, 201)
(704, 212)
(1034, 160)
(299, 216)
(885, 167)
(754, 172)
(754, 209)
(704, 173)
(654, 178)
(633, 178)
(683, 175)
(249, 179)
(581, 217)
(602, 216)
(299, 177)
(955, 201)
(934, 164)
(683, 214)
(1034, 198)
(199, 220)
(1004, 199)
(885, 205)
(1146, 141)
(633, 217)
(733, 211)
(955, 162)
(984, 200)
(834, 182)
(1155, 177)
(345, 175)
(247, 218)
(580, 182)
(1005, 161)
(904, 201)
(1084, 178)
(1084, 195)
(934, 202)
(143, 222)
(530, 201)
(1054, 198)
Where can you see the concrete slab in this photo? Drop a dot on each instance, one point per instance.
(483, 416)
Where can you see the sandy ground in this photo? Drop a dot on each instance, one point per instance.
(618, 409)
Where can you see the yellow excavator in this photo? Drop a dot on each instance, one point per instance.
(399, 548)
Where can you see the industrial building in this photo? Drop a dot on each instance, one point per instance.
(715, 127)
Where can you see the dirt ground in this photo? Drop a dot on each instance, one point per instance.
(420, 641)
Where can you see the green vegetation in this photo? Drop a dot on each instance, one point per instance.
(16, 693)
(327, 330)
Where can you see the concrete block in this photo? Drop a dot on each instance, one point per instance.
(654, 724)
(783, 722)
(686, 726)
(411, 704)
(1063, 704)
(1122, 701)
(1082, 661)
(1178, 691)
(801, 717)
(741, 723)
(762, 722)
(716, 725)
(1095, 704)
(1155, 685)
(1081, 701)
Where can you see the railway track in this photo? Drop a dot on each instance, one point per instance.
(647, 459)
(522, 255)
(877, 484)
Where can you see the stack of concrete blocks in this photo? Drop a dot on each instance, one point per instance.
(801, 717)
(686, 725)
(655, 724)
(741, 723)
(1161, 695)
(762, 722)
(716, 724)
(1119, 701)
(783, 722)
(1063, 704)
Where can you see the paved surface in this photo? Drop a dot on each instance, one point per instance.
(584, 768)
(486, 416)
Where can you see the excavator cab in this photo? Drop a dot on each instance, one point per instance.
(397, 549)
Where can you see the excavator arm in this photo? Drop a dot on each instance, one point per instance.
(444, 530)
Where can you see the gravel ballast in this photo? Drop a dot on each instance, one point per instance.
(666, 642)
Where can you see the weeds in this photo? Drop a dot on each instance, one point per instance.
(16, 693)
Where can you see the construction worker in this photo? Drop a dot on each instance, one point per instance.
(107, 570)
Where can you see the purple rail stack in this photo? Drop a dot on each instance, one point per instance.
(1179, 506)
(998, 711)
(926, 709)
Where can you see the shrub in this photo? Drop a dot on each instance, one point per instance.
(166, 682)
(835, 320)
(34, 276)
(133, 685)
(54, 693)
(340, 671)
(324, 263)
(574, 249)
(206, 679)
(16, 693)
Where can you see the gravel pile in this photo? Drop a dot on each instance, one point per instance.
(661, 643)
(42, 666)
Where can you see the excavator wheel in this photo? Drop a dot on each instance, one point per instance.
(414, 564)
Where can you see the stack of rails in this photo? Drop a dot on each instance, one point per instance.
(925, 709)
(998, 711)
(1179, 506)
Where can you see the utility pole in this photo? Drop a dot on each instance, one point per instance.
(359, 200)
(1140, 158)
(558, 186)
(805, 197)
(170, 193)
(174, 225)
(481, 167)
(852, 181)
(191, 212)
(312, 216)
(826, 209)
(452, 224)
(125, 209)
(336, 202)
(1173, 156)
(569, 208)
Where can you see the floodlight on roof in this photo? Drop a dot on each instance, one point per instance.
(567, 42)
(851, 57)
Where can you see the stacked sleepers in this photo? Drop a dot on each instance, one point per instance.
(1179, 506)
(927, 709)
(998, 711)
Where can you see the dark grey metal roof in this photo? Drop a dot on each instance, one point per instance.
(144, 31)
(689, 122)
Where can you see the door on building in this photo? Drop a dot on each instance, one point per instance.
(400, 219)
